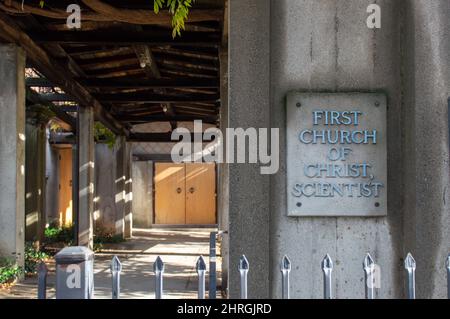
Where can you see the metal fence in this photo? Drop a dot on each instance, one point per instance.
(369, 268)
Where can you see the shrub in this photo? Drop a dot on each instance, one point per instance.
(63, 234)
(102, 236)
(33, 257)
(9, 271)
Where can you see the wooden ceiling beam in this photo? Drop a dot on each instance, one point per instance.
(164, 118)
(61, 114)
(116, 71)
(187, 73)
(192, 71)
(143, 16)
(106, 12)
(93, 52)
(124, 38)
(56, 97)
(57, 73)
(154, 98)
(113, 63)
(38, 82)
(151, 83)
(161, 137)
(187, 63)
(211, 56)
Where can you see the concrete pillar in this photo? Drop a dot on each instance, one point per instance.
(51, 181)
(326, 46)
(128, 213)
(426, 166)
(142, 194)
(249, 106)
(12, 152)
(120, 186)
(86, 168)
(223, 181)
(106, 193)
(35, 181)
(123, 188)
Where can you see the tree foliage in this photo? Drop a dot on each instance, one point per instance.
(179, 10)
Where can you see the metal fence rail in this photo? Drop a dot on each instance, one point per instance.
(370, 269)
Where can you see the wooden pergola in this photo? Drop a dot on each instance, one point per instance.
(123, 61)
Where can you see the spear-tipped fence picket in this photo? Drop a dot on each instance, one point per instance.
(116, 270)
(370, 270)
(285, 271)
(410, 266)
(369, 274)
(448, 275)
(158, 268)
(201, 271)
(244, 267)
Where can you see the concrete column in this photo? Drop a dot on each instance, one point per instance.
(120, 186)
(326, 46)
(35, 181)
(51, 181)
(12, 152)
(107, 196)
(249, 106)
(223, 181)
(426, 165)
(128, 213)
(142, 194)
(86, 165)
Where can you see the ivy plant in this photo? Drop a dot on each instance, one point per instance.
(9, 271)
(104, 135)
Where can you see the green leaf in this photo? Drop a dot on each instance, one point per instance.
(179, 10)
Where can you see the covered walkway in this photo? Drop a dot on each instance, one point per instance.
(179, 249)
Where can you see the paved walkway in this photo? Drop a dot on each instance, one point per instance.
(178, 248)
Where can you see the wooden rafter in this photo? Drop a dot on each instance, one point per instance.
(124, 38)
(57, 73)
(151, 83)
(154, 98)
(160, 137)
(164, 118)
(139, 16)
(60, 113)
(105, 12)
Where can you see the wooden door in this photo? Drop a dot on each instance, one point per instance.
(200, 194)
(170, 192)
(65, 186)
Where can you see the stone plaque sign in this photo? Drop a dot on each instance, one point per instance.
(336, 154)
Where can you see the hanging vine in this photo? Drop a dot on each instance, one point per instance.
(179, 9)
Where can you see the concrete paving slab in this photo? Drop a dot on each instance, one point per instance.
(178, 248)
